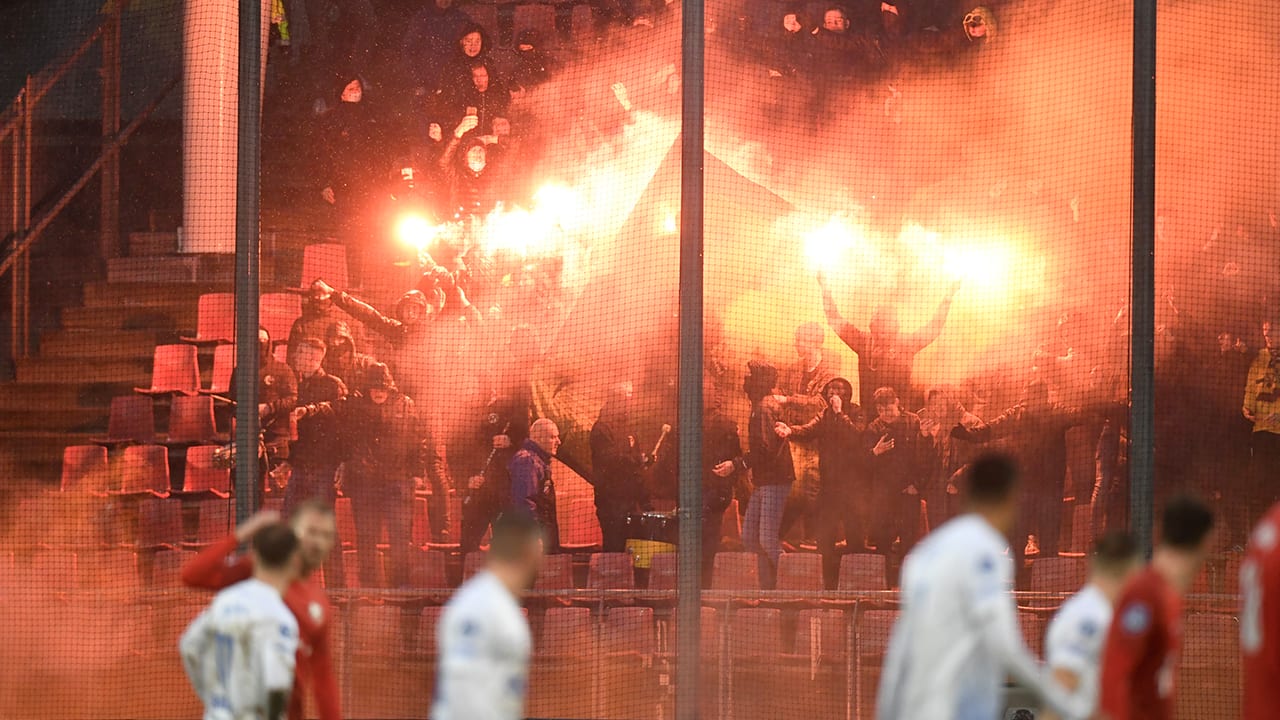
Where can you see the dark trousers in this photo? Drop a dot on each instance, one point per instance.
(613, 526)
(1264, 470)
(479, 509)
(838, 515)
(712, 527)
(895, 517)
(377, 504)
(307, 481)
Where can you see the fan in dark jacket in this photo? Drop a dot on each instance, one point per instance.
(617, 466)
(532, 489)
(772, 472)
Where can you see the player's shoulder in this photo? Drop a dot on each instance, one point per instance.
(1141, 604)
(1086, 615)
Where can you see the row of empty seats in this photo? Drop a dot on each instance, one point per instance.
(142, 470)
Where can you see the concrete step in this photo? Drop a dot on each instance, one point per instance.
(82, 419)
(79, 370)
(26, 397)
(176, 316)
(98, 294)
(172, 269)
(95, 344)
(37, 455)
(142, 244)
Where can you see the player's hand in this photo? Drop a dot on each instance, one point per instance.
(501, 442)
(256, 522)
(724, 469)
(328, 196)
(782, 430)
(885, 445)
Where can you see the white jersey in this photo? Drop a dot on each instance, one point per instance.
(239, 650)
(957, 637)
(1076, 639)
(484, 647)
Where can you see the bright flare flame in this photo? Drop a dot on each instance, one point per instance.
(828, 247)
(987, 267)
(415, 231)
(559, 205)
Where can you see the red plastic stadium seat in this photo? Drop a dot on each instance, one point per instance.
(663, 571)
(556, 573)
(873, 630)
(276, 313)
(203, 476)
(132, 420)
(325, 261)
(166, 568)
(224, 362)
(756, 633)
(567, 632)
(191, 420)
(215, 319)
(159, 523)
(144, 470)
(611, 571)
(426, 569)
(351, 570)
(176, 369)
(579, 528)
(628, 630)
(378, 630)
(736, 571)
(85, 469)
(820, 635)
(709, 642)
(1057, 574)
(800, 571)
(862, 571)
(1034, 626)
(346, 521)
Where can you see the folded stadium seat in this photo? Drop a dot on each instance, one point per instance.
(1209, 668)
(325, 261)
(215, 319)
(276, 313)
(111, 570)
(611, 571)
(159, 524)
(821, 650)
(628, 683)
(191, 420)
(871, 641)
(757, 687)
(85, 469)
(132, 419)
(421, 523)
(579, 528)
(731, 525)
(143, 470)
(800, 571)
(346, 522)
(862, 572)
(224, 362)
(663, 571)
(564, 675)
(351, 570)
(736, 571)
(556, 573)
(427, 569)
(1058, 574)
(1033, 626)
(213, 520)
(474, 563)
(175, 370)
(203, 475)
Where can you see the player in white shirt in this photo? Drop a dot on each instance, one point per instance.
(483, 635)
(1078, 634)
(957, 637)
(240, 652)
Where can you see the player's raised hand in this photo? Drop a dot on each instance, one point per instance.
(256, 522)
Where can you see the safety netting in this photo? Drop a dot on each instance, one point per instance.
(918, 247)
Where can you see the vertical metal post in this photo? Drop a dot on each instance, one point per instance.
(22, 269)
(247, 198)
(689, 581)
(109, 205)
(16, 222)
(1142, 332)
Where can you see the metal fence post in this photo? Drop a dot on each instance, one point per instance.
(1142, 333)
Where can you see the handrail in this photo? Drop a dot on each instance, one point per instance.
(59, 70)
(27, 238)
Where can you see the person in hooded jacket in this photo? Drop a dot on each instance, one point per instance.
(470, 46)
(429, 40)
(341, 359)
(351, 164)
(533, 65)
(722, 469)
(318, 314)
(483, 95)
(838, 431)
(772, 470)
(473, 171)
(277, 396)
(384, 452)
(617, 466)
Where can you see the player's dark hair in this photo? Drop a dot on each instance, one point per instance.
(990, 480)
(274, 545)
(1114, 551)
(512, 534)
(317, 505)
(1185, 524)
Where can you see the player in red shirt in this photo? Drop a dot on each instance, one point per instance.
(1141, 656)
(316, 527)
(1260, 619)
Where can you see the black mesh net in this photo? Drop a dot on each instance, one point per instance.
(918, 250)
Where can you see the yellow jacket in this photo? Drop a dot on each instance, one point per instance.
(1262, 394)
(280, 20)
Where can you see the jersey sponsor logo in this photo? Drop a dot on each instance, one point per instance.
(492, 419)
(1136, 619)
(1264, 536)
(986, 564)
(1088, 628)
(316, 612)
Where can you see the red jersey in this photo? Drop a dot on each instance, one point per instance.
(214, 569)
(1141, 657)
(1260, 619)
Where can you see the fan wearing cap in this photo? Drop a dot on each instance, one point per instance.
(318, 313)
(384, 452)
